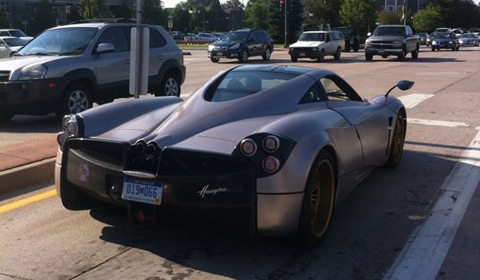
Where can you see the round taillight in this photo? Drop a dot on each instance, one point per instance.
(72, 127)
(270, 164)
(271, 143)
(65, 121)
(248, 147)
(139, 147)
(151, 148)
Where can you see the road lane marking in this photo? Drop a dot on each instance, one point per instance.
(424, 253)
(437, 123)
(26, 201)
(412, 100)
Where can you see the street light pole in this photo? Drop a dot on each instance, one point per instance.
(286, 25)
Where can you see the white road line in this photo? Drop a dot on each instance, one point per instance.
(437, 123)
(413, 100)
(425, 251)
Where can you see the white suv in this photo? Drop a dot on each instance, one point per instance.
(65, 69)
(318, 44)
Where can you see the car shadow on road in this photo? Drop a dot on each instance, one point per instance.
(24, 124)
(367, 233)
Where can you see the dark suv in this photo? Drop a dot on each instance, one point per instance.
(351, 38)
(242, 44)
(66, 68)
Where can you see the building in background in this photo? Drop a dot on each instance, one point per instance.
(395, 5)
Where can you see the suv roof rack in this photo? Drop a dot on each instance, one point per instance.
(105, 20)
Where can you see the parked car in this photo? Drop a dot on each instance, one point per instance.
(443, 30)
(278, 145)
(468, 39)
(389, 40)
(351, 38)
(206, 38)
(15, 33)
(317, 44)
(242, 44)
(220, 36)
(445, 40)
(423, 38)
(458, 32)
(10, 45)
(66, 68)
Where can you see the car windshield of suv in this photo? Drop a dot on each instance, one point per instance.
(68, 41)
(237, 36)
(390, 31)
(312, 37)
(17, 33)
(15, 42)
(444, 36)
(468, 36)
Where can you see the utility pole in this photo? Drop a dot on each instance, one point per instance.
(286, 24)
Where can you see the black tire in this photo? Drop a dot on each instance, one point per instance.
(368, 56)
(5, 117)
(73, 199)
(415, 52)
(401, 56)
(458, 48)
(170, 85)
(337, 54)
(75, 99)
(321, 56)
(243, 56)
(433, 49)
(356, 47)
(293, 58)
(267, 54)
(398, 140)
(318, 201)
(347, 46)
(214, 59)
(454, 49)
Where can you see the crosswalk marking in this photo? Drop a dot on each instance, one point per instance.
(414, 99)
(437, 123)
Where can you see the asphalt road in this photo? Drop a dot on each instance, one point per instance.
(380, 225)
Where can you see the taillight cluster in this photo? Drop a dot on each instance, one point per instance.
(268, 151)
(71, 127)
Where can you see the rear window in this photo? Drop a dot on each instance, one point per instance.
(240, 84)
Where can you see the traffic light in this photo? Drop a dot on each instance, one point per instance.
(281, 4)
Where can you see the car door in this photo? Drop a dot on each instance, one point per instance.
(411, 40)
(330, 45)
(371, 120)
(252, 44)
(158, 55)
(4, 49)
(112, 69)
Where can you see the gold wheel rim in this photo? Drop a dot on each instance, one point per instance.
(321, 198)
(398, 139)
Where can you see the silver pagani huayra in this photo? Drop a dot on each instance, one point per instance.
(282, 144)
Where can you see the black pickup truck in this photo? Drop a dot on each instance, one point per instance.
(389, 40)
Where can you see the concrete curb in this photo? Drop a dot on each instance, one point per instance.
(27, 175)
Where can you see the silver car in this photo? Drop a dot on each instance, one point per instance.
(281, 145)
(66, 68)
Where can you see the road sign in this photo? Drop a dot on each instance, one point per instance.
(170, 22)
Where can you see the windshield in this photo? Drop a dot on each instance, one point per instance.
(312, 37)
(390, 31)
(444, 36)
(17, 33)
(237, 36)
(71, 41)
(15, 42)
(239, 84)
(468, 36)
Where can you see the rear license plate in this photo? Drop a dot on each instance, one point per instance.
(142, 191)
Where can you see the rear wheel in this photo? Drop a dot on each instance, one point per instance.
(319, 199)
(170, 85)
(337, 54)
(267, 54)
(321, 56)
(355, 47)
(433, 49)
(76, 98)
(415, 52)
(398, 139)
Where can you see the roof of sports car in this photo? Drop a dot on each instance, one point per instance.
(277, 69)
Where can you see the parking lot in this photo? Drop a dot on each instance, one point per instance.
(370, 234)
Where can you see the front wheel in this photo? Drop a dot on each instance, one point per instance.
(243, 57)
(318, 201)
(170, 85)
(398, 140)
(267, 54)
(401, 56)
(76, 98)
(415, 53)
(214, 59)
(293, 58)
(368, 57)
(321, 56)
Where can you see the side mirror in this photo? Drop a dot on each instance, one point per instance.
(105, 47)
(402, 85)
(405, 85)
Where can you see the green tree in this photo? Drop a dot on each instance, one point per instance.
(390, 17)
(42, 17)
(255, 13)
(277, 20)
(216, 17)
(181, 17)
(427, 19)
(4, 21)
(323, 12)
(358, 14)
(94, 9)
(122, 11)
(295, 20)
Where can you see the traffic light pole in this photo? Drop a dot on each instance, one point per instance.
(286, 24)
